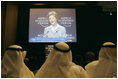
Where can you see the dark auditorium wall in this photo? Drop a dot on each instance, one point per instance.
(9, 12)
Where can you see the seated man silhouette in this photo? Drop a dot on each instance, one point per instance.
(59, 64)
(106, 65)
(12, 64)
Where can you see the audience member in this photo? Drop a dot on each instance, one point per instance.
(13, 66)
(90, 56)
(106, 65)
(59, 64)
(78, 60)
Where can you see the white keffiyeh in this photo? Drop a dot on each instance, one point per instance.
(59, 64)
(13, 66)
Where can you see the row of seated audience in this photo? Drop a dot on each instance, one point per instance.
(59, 64)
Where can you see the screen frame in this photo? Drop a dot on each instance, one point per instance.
(27, 18)
(57, 10)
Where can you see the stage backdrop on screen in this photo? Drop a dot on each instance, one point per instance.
(39, 21)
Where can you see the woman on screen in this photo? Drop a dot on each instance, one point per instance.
(54, 30)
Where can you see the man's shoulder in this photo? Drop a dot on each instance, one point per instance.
(91, 64)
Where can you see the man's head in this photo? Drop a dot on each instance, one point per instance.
(17, 49)
(108, 51)
(90, 56)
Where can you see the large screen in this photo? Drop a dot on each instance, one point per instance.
(52, 25)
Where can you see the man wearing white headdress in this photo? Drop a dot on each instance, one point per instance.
(13, 66)
(106, 65)
(59, 64)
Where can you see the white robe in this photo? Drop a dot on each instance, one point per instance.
(106, 66)
(60, 65)
(13, 66)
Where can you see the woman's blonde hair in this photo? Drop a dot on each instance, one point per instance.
(52, 13)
